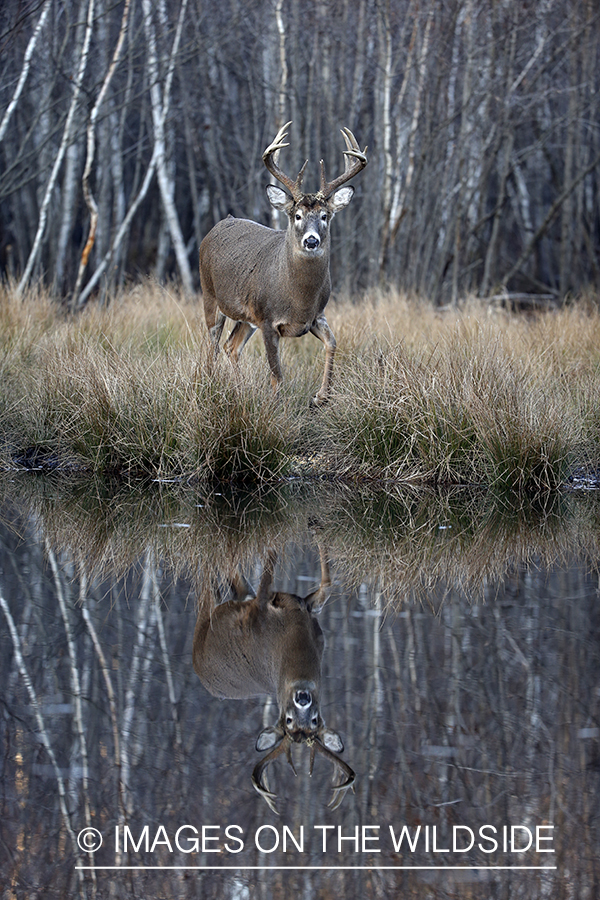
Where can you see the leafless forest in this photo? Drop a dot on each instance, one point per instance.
(128, 128)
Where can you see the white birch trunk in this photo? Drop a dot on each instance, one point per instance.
(43, 731)
(25, 70)
(112, 701)
(91, 149)
(166, 660)
(399, 204)
(385, 65)
(120, 235)
(566, 220)
(127, 734)
(69, 189)
(75, 690)
(159, 105)
(66, 138)
(277, 74)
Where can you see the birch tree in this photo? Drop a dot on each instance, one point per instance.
(91, 149)
(64, 144)
(160, 103)
(25, 69)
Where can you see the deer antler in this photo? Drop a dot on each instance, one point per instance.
(339, 790)
(355, 161)
(259, 777)
(260, 783)
(294, 187)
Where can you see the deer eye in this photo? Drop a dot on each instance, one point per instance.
(298, 217)
(323, 217)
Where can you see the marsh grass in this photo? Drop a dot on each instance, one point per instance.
(465, 411)
(132, 392)
(411, 540)
(462, 396)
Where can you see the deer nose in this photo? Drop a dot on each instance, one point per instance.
(311, 242)
(302, 699)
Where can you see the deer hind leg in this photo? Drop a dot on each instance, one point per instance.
(321, 329)
(214, 318)
(237, 340)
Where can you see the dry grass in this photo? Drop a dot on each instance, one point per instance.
(467, 396)
(412, 541)
(129, 391)
(458, 396)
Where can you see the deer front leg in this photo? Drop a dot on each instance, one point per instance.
(265, 587)
(271, 339)
(321, 329)
(317, 600)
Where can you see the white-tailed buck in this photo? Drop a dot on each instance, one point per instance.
(277, 281)
(272, 644)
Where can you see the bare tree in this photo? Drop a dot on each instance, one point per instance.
(91, 149)
(117, 162)
(65, 144)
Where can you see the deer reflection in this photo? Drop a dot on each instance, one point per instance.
(271, 643)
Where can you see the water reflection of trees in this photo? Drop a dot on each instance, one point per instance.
(479, 705)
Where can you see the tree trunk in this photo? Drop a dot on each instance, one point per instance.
(66, 139)
(159, 114)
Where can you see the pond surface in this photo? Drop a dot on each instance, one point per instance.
(460, 670)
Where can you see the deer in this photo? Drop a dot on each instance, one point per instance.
(278, 280)
(268, 642)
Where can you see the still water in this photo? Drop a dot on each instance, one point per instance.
(449, 644)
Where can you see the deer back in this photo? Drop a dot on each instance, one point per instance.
(247, 648)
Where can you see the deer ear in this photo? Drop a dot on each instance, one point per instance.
(268, 738)
(341, 198)
(278, 198)
(332, 741)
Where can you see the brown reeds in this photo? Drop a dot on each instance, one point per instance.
(468, 395)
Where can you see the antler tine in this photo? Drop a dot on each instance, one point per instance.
(313, 747)
(260, 783)
(355, 160)
(294, 187)
(339, 790)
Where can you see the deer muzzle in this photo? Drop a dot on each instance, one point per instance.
(311, 241)
(302, 715)
(302, 699)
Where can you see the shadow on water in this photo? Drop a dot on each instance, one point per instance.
(449, 641)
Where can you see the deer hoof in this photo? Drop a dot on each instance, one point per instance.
(317, 402)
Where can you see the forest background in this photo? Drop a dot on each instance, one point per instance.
(140, 124)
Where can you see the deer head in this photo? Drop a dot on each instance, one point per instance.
(310, 214)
